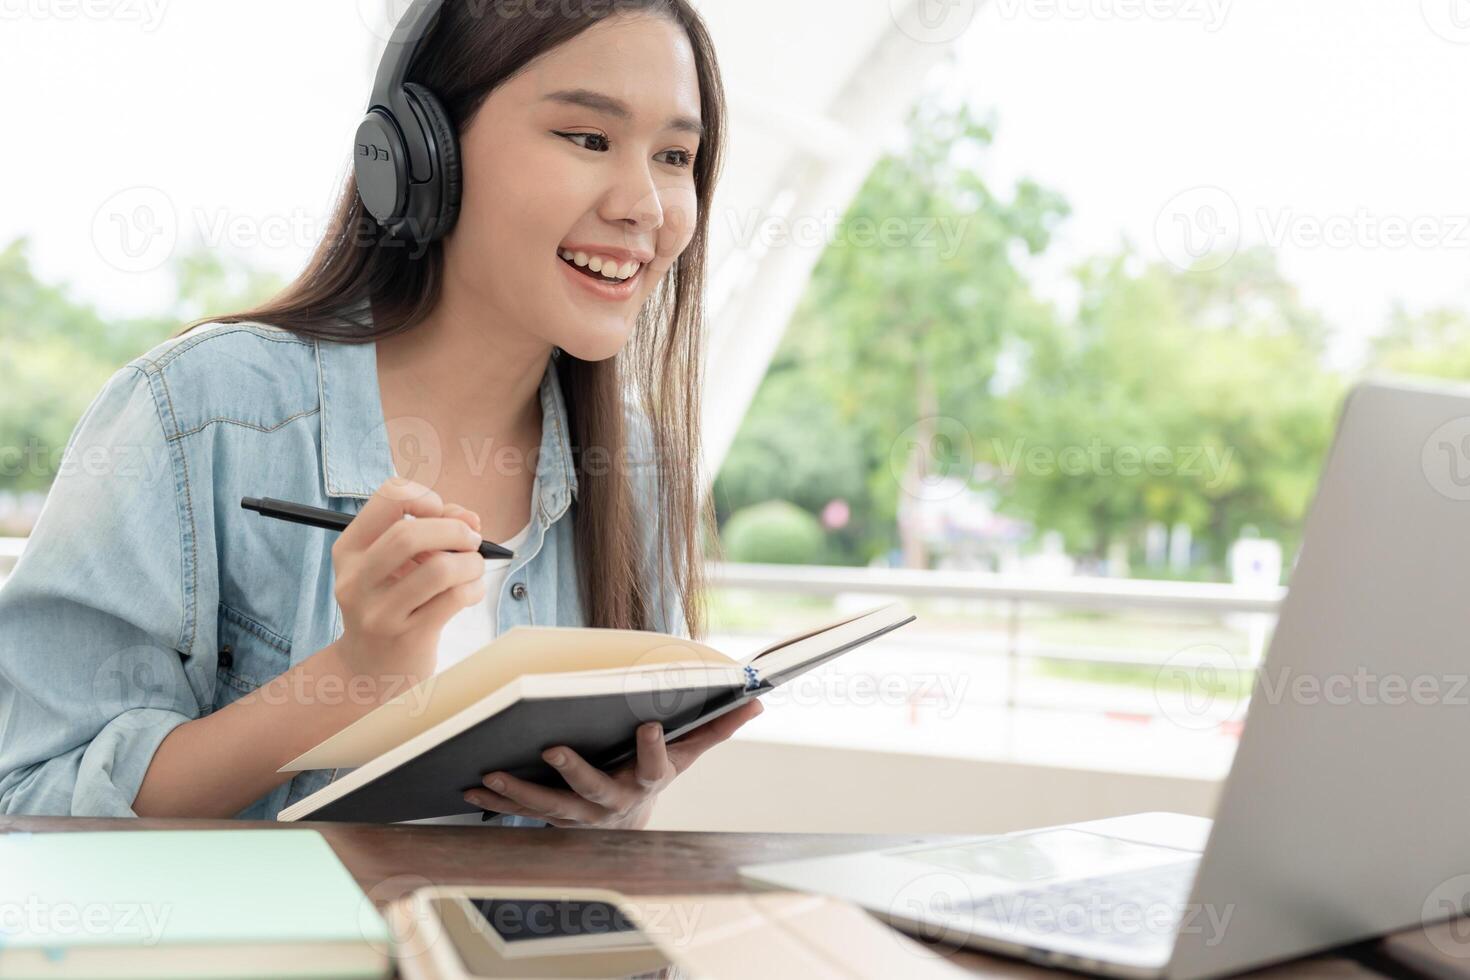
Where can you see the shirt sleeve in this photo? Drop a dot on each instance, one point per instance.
(95, 618)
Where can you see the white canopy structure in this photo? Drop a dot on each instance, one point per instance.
(812, 85)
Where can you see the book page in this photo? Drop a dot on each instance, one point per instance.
(841, 620)
(789, 659)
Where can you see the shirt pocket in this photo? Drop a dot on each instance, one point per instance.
(250, 654)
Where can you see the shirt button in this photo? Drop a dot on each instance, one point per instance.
(226, 657)
(518, 591)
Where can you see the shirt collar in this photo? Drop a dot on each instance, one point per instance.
(356, 458)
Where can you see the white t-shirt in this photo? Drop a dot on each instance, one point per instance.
(474, 626)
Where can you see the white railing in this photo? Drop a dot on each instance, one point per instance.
(1079, 592)
(1255, 607)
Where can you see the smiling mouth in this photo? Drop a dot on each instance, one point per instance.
(586, 270)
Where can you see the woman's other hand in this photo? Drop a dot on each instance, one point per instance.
(622, 799)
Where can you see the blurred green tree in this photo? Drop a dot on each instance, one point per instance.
(57, 351)
(908, 310)
(1435, 343)
(1182, 397)
(775, 531)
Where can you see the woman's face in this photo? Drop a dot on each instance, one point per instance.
(590, 148)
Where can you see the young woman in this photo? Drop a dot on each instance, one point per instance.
(528, 372)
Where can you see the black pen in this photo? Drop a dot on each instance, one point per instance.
(284, 510)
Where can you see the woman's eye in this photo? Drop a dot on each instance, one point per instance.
(588, 136)
(685, 158)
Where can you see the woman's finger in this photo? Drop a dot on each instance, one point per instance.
(559, 803)
(487, 800)
(410, 541)
(653, 768)
(494, 801)
(589, 782)
(464, 514)
(394, 498)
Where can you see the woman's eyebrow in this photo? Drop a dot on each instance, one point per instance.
(606, 104)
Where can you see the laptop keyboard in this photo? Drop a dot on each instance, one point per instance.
(1129, 908)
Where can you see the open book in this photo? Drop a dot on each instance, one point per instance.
(534, 687)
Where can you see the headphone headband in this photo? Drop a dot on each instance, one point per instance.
(407, 38)
(406, 157)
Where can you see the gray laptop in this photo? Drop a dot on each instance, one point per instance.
(1346, 813)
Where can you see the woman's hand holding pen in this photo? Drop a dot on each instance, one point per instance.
(399, 581)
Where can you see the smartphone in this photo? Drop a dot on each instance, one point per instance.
(469, 932)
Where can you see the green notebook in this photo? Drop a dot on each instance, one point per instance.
(184, 903)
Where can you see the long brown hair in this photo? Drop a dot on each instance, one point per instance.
(474, 47)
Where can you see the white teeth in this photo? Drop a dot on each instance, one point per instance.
(606, 267)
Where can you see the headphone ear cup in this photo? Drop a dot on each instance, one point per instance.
(381, 167)
(446, 140)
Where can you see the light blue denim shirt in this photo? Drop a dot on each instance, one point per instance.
(147, 597)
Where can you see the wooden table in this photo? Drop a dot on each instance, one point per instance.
(389, 860)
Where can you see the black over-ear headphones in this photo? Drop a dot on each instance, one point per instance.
(407, 154)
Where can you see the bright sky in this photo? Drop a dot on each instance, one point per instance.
(1334, 128)
(231, 122)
